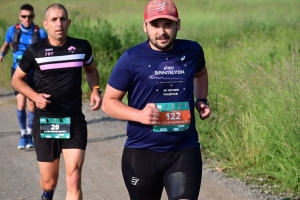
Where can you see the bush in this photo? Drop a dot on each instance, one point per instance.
(107, 45)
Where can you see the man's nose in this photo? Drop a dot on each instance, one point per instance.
(58, 22)
(161, 30)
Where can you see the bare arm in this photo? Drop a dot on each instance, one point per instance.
(92, 77)
(201, 84)
(200, 91)
(19, 84)
(3, 51)
(113, 106)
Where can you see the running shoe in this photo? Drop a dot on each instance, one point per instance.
(29, 142)
(22, 143)
(44, 198)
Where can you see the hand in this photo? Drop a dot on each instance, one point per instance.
(41, 100)
(149, 115)
(203, 110)
(95, 100)
(1, 59)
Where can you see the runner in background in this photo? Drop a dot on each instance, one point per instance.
(166, 78)
(19, 37)
(59, 126)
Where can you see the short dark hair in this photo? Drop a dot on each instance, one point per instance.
(58, 6)
(27, 7)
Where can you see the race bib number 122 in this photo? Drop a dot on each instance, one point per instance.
(173, 117)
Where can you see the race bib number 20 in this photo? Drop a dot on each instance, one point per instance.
(173, 117)
(58, 128)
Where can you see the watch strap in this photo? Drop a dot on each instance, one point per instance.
(204, 100)
(98, 87)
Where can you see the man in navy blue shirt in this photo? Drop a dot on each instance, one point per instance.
(166, 78)
(19, 37)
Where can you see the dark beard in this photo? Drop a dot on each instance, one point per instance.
(166, 48)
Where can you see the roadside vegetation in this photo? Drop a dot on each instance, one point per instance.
(252, 51)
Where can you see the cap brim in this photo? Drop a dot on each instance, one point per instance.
(161, 16)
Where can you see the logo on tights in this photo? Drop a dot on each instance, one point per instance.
(134, 180)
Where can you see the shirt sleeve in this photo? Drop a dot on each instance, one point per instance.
(43, 34)
(121, 76)
(9, 35)
(28, 60)
(88, 59)
(201, 63)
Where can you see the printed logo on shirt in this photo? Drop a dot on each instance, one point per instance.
(49, 53)
(134, 180)
(71, 49)
(182, 58)
(168, 70)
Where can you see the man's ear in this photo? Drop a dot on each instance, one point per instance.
(145, 26)
(45, 25)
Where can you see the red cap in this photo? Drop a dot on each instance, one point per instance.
(160, 9)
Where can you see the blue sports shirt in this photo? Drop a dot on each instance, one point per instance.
(151, 76)
(25, 40)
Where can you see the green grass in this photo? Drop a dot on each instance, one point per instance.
(252, 51)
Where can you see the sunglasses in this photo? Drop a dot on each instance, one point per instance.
(29, 16)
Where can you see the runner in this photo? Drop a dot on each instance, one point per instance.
(59, 126)
(19, 37)
(162, 76)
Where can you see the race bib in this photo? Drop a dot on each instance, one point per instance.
(173, 117)
(58, 128)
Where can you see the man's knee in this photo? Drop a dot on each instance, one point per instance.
(74, 179)
(21, 102)
(21, 105)
(48, 185)
(30, 105)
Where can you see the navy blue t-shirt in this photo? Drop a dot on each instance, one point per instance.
(151, 76)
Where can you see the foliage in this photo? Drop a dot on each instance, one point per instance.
(107, 45)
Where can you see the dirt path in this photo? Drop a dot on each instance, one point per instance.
(102, 179)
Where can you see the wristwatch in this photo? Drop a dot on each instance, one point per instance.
(99, 89)
(204, 100)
